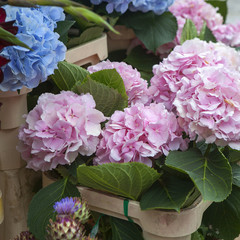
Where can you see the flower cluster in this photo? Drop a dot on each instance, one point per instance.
(136, 87)
(139, 134)
(200, 82)
(36, 29)
(185, 61)
(157, 6)
(58, 128)
(199, 12)
(69, 225)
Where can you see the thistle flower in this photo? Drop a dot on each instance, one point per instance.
(65, 228)
(72, 207)
(26, 235)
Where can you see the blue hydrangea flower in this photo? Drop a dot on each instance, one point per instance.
(36, 29)
(67, 206)
(157, 6)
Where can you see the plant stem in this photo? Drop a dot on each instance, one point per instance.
(208, 150)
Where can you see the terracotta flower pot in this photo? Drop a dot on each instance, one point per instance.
(156, 224)
(88, 53)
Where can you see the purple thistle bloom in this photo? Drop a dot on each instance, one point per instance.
(67, 206)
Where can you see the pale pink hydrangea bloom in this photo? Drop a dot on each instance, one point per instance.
(196, 10)
(136, 87)
(185, 61)
(58, 128)
(208, 106)
(228, 34)
(139, 134)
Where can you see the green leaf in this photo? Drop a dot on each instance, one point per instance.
(225, 216)
(233, 155)
(11, 38)
(107, 89)
(171, 193)
(221, 5)
(41, 206)
(124, 230)
(153, 30)
(142, 60)
(67, 75)
(86, 36)
(197, 236)
(63, 28)
(189, 31)
(126, 179)
(236, 174)
(208, 36)
(212, 174)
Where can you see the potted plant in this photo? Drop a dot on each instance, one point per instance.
(164, 151)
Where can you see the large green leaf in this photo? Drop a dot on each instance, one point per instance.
(125, 179)
(212, 175)
(41, 206)
(67, 75)
(236, 174)
(153, 30)
(11, 38)
(62, 29)
(171, 193)
(225, 216)
(124, 230)
(86, 36)
(189, 31)
(206, 34)
(221, 5)
(141, 60)
(107, 89)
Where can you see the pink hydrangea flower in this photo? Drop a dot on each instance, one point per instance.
(139, 134)
(136, 87)
(198, 11)
(185, 61)
(208, 106)
(58, 128)
(228, 34)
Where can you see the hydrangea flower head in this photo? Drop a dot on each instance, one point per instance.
(58, 128)
(36, 29)
(157, 6)
(185, 61)
(208, 106)
(136, 87)
(228, 34)
(198, 11)
(139, 134)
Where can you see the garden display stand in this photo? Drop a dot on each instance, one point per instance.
(16, 182)
(88, 53)
(120, 41)
(156, 224)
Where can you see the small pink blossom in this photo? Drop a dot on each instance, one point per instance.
(136, 87)
(58, 128)
(139, 134)
(208, 106)
(186, 60)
